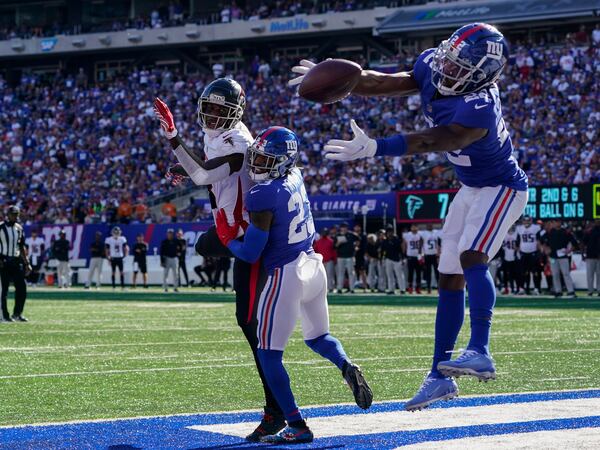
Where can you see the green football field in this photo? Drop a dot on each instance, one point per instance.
(100, 354)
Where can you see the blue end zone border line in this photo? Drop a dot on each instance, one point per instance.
(171, 432)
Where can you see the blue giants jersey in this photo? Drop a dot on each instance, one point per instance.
(292, 230)
(488, 161)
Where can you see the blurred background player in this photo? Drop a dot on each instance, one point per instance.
(372, 252)
(412, 246)
(559, 245)
(591, 253)
(205, 271)
(431, 250)
(510, 263)
(97, 255)
(360, 249)
(35, 250)
(345, 249)
(14, 265)
(325, 246)
(281, 230)
(220, 166)
(169, 259)
(60, 252)
(183, 246)
(461, 103)
(529, 248)
(393, 258)
(140, 252)
(116, 250)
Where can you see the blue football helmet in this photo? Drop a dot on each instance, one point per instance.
(470, 60)
(273, 154)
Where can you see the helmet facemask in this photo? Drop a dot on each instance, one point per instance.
(263, 166)
(453, 75)
(214, 113)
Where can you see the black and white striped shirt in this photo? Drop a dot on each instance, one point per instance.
(12, 239)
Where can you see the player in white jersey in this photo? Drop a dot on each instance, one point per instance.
(35, 249)
(221, 166)
(412, 243)
(116, 250)
(530, 257)
(510, 269)
(431, 251)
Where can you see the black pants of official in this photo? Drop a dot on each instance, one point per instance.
(530, 265)
(183, 268)
(13, 270)
(510, 274)
(414, 268)
(248, 282)
(431, 263)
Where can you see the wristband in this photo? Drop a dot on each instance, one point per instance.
(392, 146)
(171, 134)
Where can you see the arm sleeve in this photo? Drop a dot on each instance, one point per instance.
(197, 173)
(252, 246)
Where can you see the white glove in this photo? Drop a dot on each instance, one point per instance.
(302, 69)
(362, 146)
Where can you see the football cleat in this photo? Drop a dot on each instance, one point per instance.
(469, 363)
(19, 318)
(363, 395)
(290, 435)
(271, 423)
(432, 390)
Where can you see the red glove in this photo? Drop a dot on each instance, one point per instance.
(176, 174)
(163, 113)
(226, 232)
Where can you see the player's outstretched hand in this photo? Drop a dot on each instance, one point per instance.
(302, 69)
(362, 146)
(176, 174)
(226, 232)
(163, 113)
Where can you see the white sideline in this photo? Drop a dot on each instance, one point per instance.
(387, 422)
(580, 439)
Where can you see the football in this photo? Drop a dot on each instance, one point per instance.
(330, 81)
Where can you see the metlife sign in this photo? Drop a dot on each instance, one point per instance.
(296, 24)
(451, 13)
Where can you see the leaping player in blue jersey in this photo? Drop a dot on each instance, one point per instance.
(281, 230)
(461, 103)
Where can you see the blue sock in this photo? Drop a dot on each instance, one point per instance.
(448, 321)
(482, 297)
(278, 380)
(329, 348)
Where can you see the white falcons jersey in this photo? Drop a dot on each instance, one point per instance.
(34, 248)
(431, 242)
(413, 243)
(116, 246)
(510, 244)
(229, 192)
(528, 237)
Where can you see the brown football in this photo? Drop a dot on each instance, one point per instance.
(330, 81)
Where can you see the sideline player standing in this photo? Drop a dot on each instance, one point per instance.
(35, 249)
(431, 249)
(140, 252)
(282, 230)
(412, 243)
(510, 270)
(461, 102)
(220, 166)
(116, 250)
(530, 258)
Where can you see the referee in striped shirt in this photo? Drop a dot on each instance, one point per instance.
(14, 265)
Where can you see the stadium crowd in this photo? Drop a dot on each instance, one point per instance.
(73, 150)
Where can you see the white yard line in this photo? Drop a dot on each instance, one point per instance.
(386, 422)
(580, 439)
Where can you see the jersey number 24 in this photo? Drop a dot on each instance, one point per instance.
(301, 226)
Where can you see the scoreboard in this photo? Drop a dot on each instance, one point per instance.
(574, 202)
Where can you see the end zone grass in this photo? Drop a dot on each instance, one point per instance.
(105, 354)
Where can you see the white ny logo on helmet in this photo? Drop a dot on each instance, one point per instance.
(494, 50)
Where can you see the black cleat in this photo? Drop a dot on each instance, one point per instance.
(271, 424)
(363, 395)
(19, 318)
